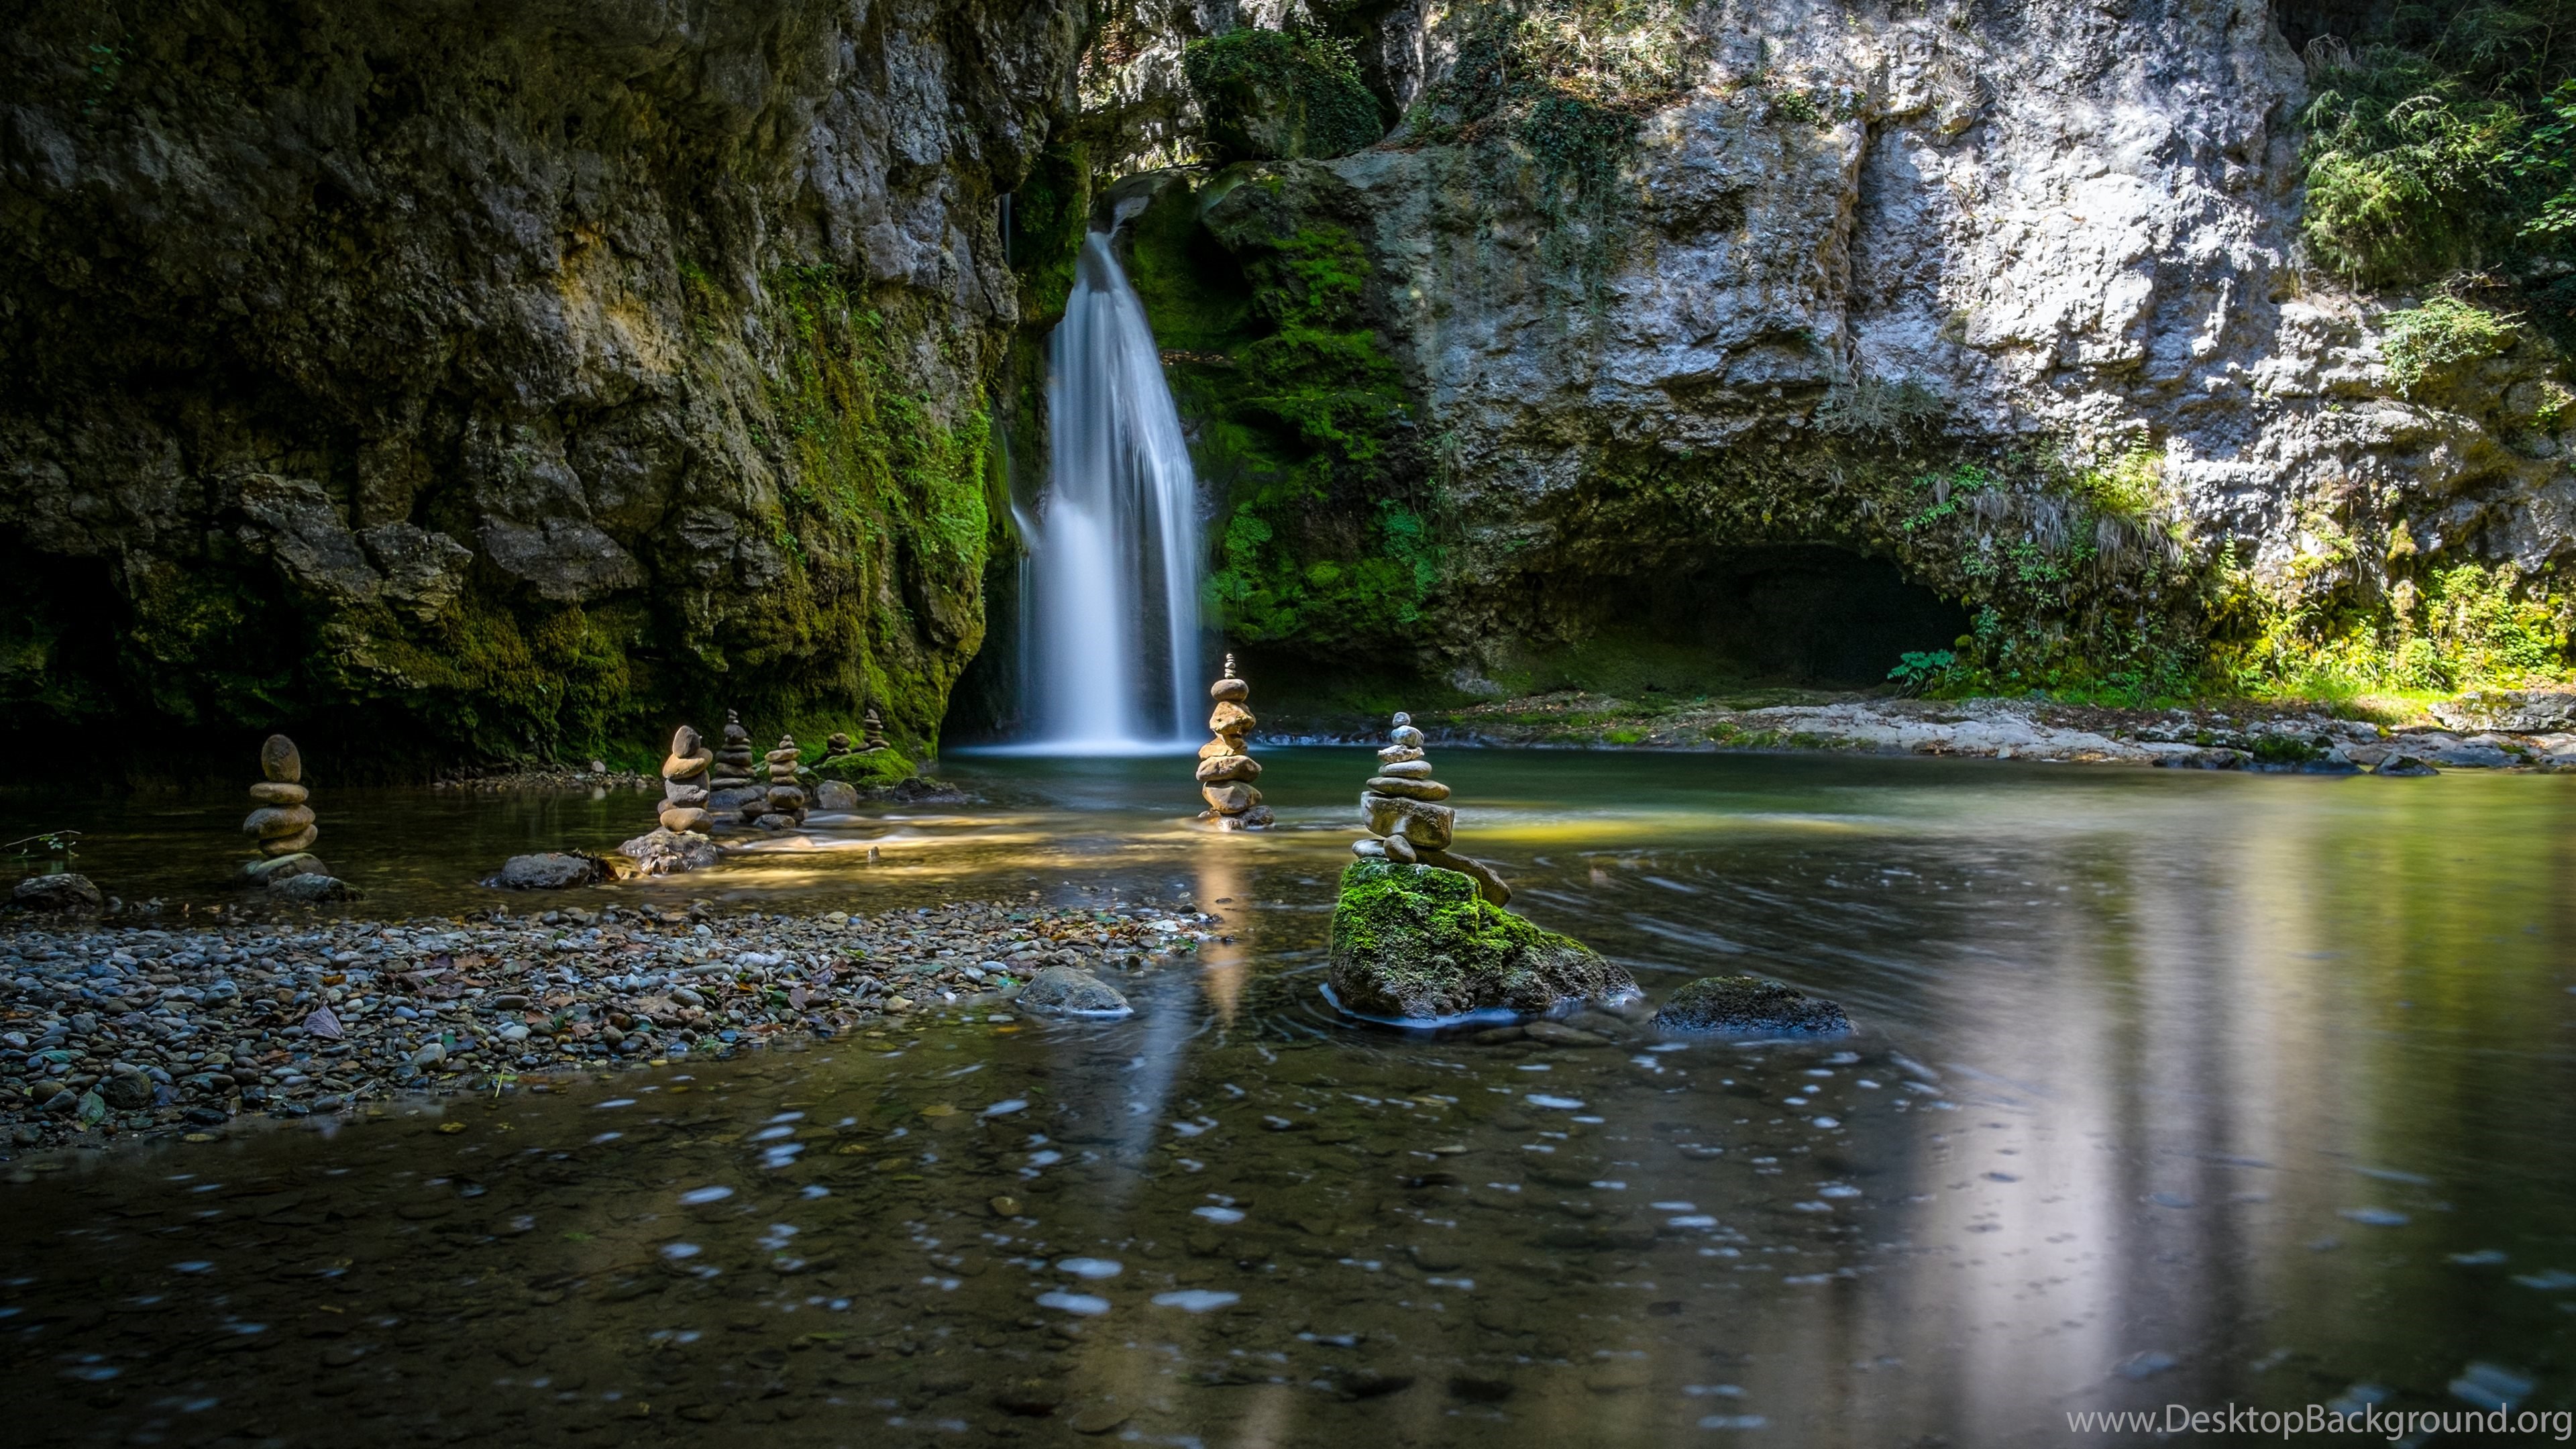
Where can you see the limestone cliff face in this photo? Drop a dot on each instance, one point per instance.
(1848, 245)
(504, 379)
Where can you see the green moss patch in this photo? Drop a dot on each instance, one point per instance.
(1415, 942)
(884, 767)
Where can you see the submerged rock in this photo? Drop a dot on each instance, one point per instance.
(550, 871)
(310, 887)
(271, 870)
(1420, 942)
(1073, 992)
(668, 852)
(1750, 1004)
(2404, 764)
(64, 894)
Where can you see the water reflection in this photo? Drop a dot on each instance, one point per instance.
(2168, 1090)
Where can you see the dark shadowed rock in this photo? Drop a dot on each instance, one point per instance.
(65, 894)
(552, 871)
(1415, 942)
(2404, 765)
(309, 889)
(1750, 1005)
(1072, 992)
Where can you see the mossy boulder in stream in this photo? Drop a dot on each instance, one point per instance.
(1750, 1005)
(1417, 942)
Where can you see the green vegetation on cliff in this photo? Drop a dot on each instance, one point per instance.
(1327, 538)
(1280, 94)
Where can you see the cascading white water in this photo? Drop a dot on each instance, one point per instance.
(1113, 599)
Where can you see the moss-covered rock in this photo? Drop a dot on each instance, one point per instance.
(1276, 95)
(883, 767)
(1750, 1005)
(1415, 942)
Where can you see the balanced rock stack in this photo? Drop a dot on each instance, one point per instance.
(1407, 822)
(1226, 767)
(872, 732)
(786, 798)
(731, 793)
(282, 821)
(837, 745)
(685, 782)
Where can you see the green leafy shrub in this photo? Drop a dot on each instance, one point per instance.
(2443, 331)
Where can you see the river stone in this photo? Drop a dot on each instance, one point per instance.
(2405, 765)
(1419, 821)
(308, 888)
(275, 868)
(1413, 769)
(1230, 799)
(551, 871)
(1071, 991)
(1218, 769)
(1750, 1005)
(66, 894)
(278, 792)
(1489, 884)
(1410, 789)
(836, 795)
(1417, 942)
(279, 760)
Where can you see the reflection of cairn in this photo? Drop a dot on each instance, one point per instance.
(1402, 809)
(282, 821)
(1226, 766)
(732, 795)
(685, 782)
(872, 731)
(786, 798)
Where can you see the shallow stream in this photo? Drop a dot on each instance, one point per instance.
(2168, 1088)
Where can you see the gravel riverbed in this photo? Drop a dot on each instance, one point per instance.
(112, 1029)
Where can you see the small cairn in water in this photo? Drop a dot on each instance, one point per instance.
(685, 782)
(1226, 767)
(732, 794)
(786, 798)
(872, 731)
(280, 818)
(283, 824)
(1406, 821)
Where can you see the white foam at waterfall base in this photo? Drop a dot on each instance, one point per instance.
(1112, 605)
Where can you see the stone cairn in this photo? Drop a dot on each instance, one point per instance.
(1226, 766)
(872, 732)
(732, 794)
(1406, 821)
(786, 798)
(685, 782)
(280, 819)
(837, 745)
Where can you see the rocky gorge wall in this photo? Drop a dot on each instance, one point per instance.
(2013, 297)
(470, 381)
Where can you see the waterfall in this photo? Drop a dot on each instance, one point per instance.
(1112, 619)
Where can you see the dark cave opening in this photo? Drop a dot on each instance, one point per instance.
(1809, 615)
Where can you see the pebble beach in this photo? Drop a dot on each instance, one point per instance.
(110, 1030)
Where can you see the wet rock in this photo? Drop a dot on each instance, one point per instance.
(835, 796)
(1417, 942)
(277, 868)
(2209, 759)
(63, 894)
(551, 871)
(1750, 1005)
(1071, 991)
(2405, 765)
(309, 889)
(663, 852)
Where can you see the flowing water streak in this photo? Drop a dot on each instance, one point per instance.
(1114, 560)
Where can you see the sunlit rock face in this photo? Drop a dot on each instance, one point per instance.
(507, 373)
(1846, 238)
